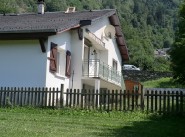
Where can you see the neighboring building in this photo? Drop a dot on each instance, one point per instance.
(133, 86)
(162, 53)
(73, 49)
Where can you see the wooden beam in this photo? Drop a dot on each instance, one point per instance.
(25, 36)
(42, 45)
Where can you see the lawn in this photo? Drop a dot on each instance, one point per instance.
(29, 122)
(162, 83)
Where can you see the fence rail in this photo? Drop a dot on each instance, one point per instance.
(165, 102)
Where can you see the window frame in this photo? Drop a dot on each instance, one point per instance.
(114, 62)
(61, 62)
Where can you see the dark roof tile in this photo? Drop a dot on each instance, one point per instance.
(48, 22)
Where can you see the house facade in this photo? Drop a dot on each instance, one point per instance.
(69, 50)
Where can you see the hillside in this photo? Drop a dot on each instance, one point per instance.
(147, 24)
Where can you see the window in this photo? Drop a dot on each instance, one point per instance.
(114, 65)
(61, 63)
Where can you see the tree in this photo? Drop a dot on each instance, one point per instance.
(8, 6)
(178, 49)
(56, 5)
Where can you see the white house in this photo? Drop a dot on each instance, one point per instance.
(73, 49)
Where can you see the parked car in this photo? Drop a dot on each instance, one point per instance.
(130, 67)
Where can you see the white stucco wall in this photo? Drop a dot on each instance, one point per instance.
(108, 54)
(68, 40)
(111, 49)
(63, 41)
(22, 64)
(77, 58)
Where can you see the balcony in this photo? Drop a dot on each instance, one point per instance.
(97, 42)
(98, 69)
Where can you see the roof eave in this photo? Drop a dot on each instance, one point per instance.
(25, 35)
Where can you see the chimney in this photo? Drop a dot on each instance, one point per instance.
(40, 4)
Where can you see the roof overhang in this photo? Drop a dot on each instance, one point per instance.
(25, 36)
(114, 20)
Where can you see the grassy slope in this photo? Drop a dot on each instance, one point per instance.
(57, 123)
(162, 83)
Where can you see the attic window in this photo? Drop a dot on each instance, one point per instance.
(70, 10)
(114, 65)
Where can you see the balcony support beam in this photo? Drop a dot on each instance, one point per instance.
(97, 88)
(97, 84)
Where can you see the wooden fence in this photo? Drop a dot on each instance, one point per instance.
(105, 100)
(35, 97)
(165, 102)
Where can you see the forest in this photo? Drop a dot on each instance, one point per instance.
(147, 24)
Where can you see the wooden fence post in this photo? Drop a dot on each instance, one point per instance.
(164, 102)
(177, 102)
(172, 105)
(160, 109)
(132, 96)
(78, 98)
(61, 96)
(116, 103)
(147, 101)
(124, 100)
(112, 101)
(93, 99)
(104, 99)
(1, 91)
(128, 100)
(82, 99)
(152, 101)
(136, 98)
(168, 102)
(74, 98)
(57, 92)
(156, 93)
(108, 101)
(120, 100)
(181, 102)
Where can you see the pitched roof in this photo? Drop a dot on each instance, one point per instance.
(55, 22)
(48, 22)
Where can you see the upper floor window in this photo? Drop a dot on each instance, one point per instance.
(60, 61)
(114, 65)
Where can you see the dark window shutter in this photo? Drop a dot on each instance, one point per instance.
(68, 63)
(53, 58)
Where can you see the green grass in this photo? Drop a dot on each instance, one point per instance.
(25, 122)
(162, 83)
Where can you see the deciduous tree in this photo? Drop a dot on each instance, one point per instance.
(178, 49)
(8, 6)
